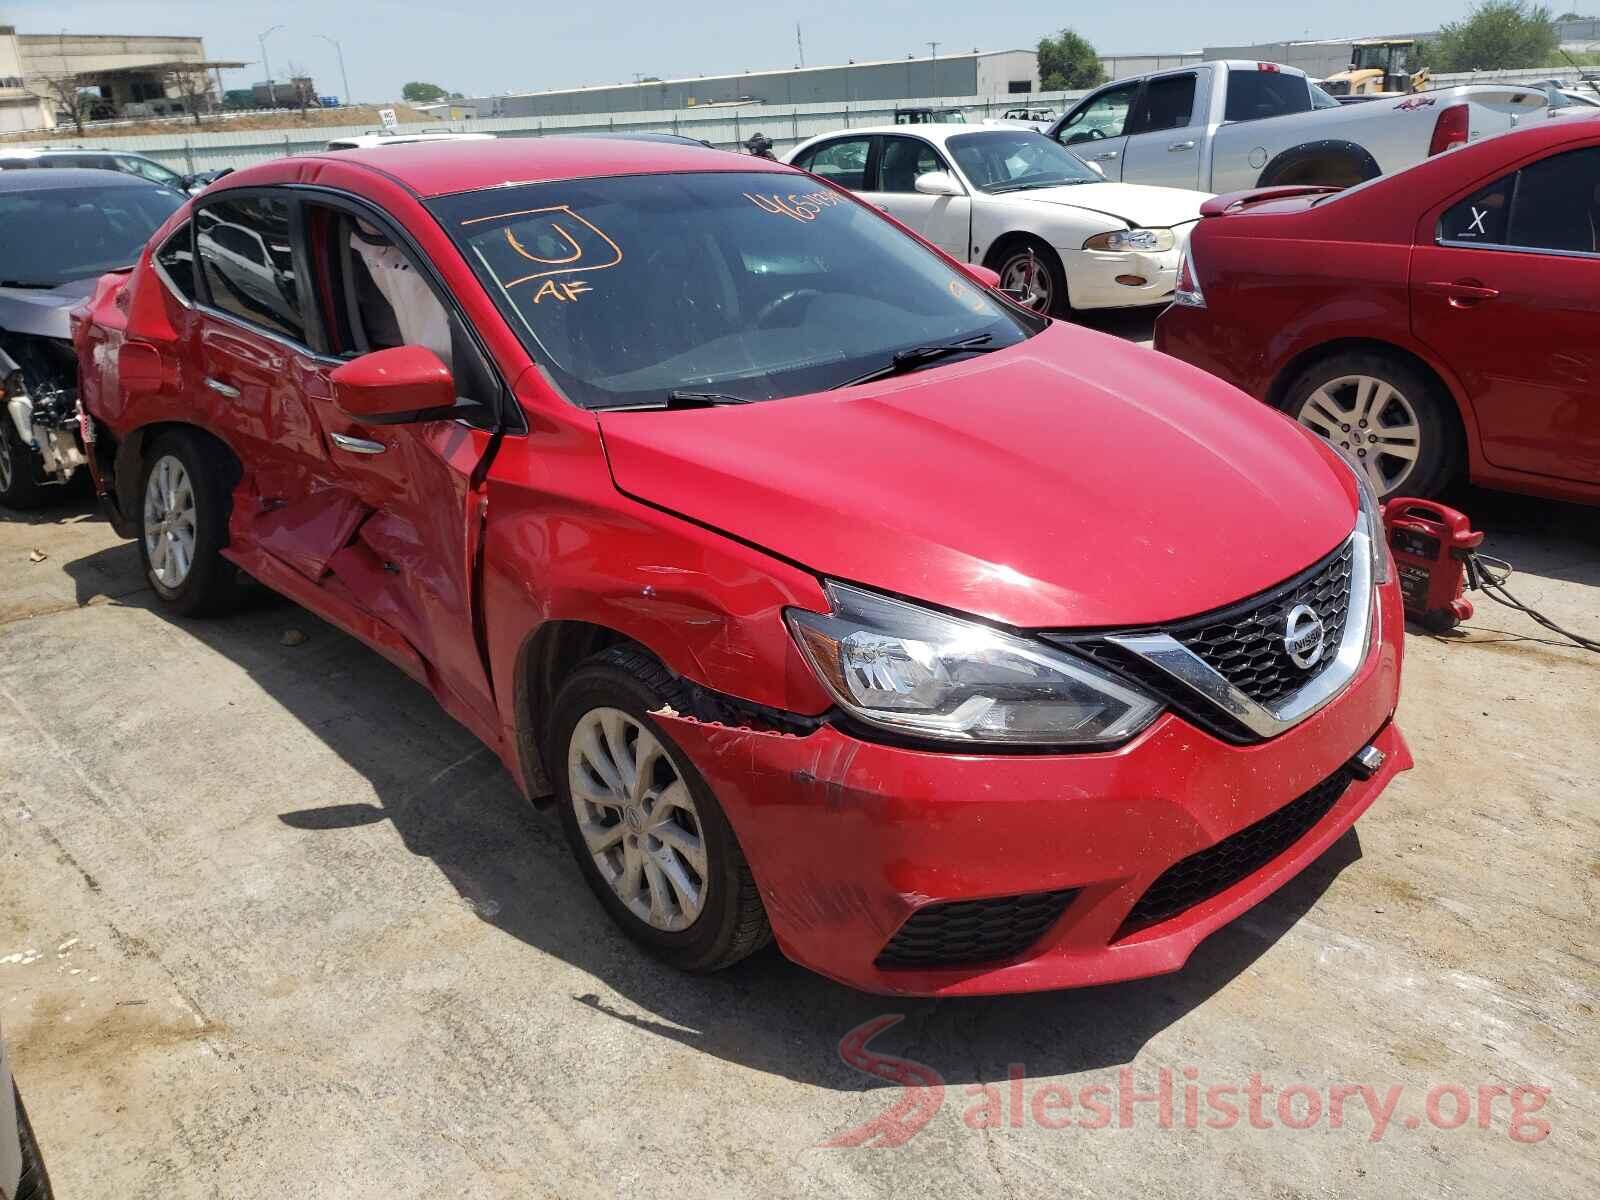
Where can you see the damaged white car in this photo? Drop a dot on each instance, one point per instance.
(60, 230)
(1059, 235)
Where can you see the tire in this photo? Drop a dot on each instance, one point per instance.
(35, 1181)
(203, 583)
(1028, 265)
(1364, 404)
(616, 690)
(22, 483)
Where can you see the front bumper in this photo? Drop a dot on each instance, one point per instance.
(1093, 275)
(847, 838)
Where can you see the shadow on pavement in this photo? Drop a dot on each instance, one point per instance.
(451, 801)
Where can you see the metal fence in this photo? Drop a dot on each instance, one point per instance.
(728, 127)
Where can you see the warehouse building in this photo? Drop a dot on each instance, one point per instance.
(979, 73)
(127, 75)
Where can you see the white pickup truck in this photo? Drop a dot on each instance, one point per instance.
(1229, 126)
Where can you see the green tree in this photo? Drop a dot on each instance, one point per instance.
(1497, 35)
(1068, 61)
(422, 93)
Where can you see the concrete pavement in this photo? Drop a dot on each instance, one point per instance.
(271, 924)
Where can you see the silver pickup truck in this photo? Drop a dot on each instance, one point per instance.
(1229, 126)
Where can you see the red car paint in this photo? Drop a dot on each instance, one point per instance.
(1068, 482)
(1291, 275)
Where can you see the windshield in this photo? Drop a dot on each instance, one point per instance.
(1014, 160)
(758, 285)
(53, 236)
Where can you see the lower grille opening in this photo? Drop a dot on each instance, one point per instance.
(1217, 868)
(963, 932)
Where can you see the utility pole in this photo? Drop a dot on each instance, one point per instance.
(799, 44)
(334, 42)
(261, 40)
(933, 57)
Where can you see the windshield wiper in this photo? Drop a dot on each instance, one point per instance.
(919, 356)
(702, 399)
(29, 283)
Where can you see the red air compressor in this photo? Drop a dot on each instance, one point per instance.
(1431, 545)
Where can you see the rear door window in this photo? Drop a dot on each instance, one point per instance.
(1257, 95)
(1556, 205)
(247, 260)
(176, 260)
(843, 162)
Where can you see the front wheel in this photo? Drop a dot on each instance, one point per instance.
(1384, 416)
(1032, 274)
(648, 834)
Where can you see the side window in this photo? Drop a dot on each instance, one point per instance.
(1105, 116)
(375, 298)
(1481, 218)
(1167, 103)
(903, 159)
(1556, 205)
(843, 162)
(1257, 95)
(153, 171)
(247, 259)
(176, 259)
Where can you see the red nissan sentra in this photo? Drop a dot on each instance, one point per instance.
(831, 596)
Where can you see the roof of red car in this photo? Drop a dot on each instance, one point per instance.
(445, 167)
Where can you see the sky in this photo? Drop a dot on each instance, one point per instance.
(479, 47)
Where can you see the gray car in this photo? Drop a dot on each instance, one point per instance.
(27, 158)
(60, 230)
(22, 1173)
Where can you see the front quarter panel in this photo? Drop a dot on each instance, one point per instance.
(563, 544)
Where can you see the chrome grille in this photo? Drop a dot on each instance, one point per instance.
(1245, 645)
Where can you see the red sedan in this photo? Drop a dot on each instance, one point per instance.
(1439, 322)
(830, 595)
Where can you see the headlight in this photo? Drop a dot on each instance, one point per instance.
(1372, 517)
(901, 667)
(1152, 241)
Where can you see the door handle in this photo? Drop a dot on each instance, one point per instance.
(1177, 146)
(357, 445)
(223, 389)
(1462, 293)
(1106, 157)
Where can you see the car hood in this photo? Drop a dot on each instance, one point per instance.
(1148, 207)
(43, 312)
(1075, 480)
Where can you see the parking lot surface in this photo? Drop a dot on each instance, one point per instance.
(271, 924)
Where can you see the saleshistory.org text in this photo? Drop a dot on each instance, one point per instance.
(1178, 1098)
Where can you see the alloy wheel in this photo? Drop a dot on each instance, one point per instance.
(169, 522)
(1371, 423)
(1026, 279)
(638, 819)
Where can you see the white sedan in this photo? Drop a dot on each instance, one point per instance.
(1060, 236)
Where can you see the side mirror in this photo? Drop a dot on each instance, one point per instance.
(139, 369)
(395, 387)
(982, 275)
(938, 183)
